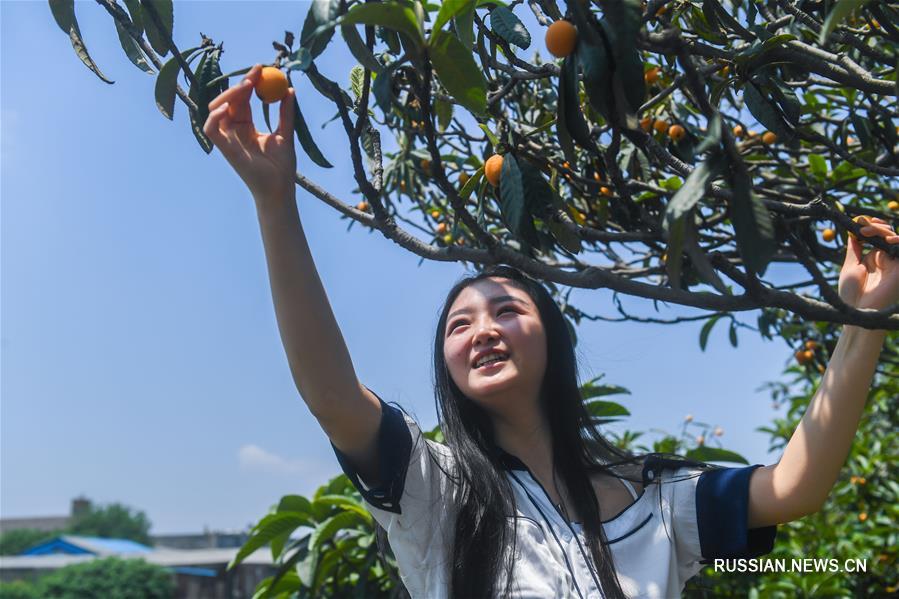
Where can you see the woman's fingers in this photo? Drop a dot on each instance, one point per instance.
(212, 128)
(286, 114)
(238, 96)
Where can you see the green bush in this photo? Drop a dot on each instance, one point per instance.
(108, 578)
(18, 589)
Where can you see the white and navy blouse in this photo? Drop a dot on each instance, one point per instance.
(658, 542)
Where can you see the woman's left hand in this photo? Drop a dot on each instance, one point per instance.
(870, 280)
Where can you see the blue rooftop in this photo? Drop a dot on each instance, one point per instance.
(76, 544)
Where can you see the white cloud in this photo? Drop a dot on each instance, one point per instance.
(254, 458)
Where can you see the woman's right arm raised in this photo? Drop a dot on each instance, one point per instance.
(316, 352)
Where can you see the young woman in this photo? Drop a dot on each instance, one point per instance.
(526, 498)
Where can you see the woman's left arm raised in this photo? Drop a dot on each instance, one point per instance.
(800, 482)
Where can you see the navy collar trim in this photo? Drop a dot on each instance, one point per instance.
(509, 461)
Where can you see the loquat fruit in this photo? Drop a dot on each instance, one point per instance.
(493, 168)
(893, 205)
(646, 123)
(769, 137)
(738, 131)
(441, 228)
(448, 238)
(363, 206)
(676, 132)
(863, 516)
(425, 165)
(652, 75)
(660, 125)
(605, 191)
(561, 38)
(812, 345)
(272, 85)
(828, 234)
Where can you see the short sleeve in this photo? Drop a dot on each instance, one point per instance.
(710, 511)
(414, 501)
(414, 470)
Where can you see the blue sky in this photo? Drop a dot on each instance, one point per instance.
(141, 360)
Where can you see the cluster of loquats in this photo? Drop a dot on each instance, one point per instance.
(674, 131)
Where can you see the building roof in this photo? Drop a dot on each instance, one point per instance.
(161, 557)
(77, 544)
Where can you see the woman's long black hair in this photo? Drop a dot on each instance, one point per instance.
(482, 528)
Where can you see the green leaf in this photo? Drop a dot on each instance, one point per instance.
(136, 14)
(494, 141)
(448, 10)
(357, 74)
(318, 28)
(837, 15)
(347, 504)
(704, 453)
(509, 27)
(167, 83)
(158, 39)
(463, 23)
(471, 183)
(382, 87)
(512, 202)
(267, 529)
(64, 14)
(132, 50)
(458, 72)
(752, 225)
(444, 110)
(391, 15)
(570, 108)
(818, 165)
(706, 330)
(732, 334)
(712, 137)
(591, 390)
(606, 409)
(597, 77)
(359, 49)
(327, 529)
(302, 131)
(207, 70)
(766, 112)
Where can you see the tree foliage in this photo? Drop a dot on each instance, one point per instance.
(605, 195)
(107, 578)
(17, 540)
(114, 520)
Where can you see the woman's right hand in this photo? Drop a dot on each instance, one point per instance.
(267, 163)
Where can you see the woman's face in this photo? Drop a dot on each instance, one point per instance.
(494, 315)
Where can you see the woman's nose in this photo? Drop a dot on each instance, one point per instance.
(485, 330)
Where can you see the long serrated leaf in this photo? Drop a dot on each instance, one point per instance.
(268, 528)
(448, 10)
(509, 27)
(132, 50)
(753, 227)
(318, 27)
(512, 202)
(382, 87)
(766, 112)
(306, 141)
(714, 454)
(136, 14)
(458, 72)
(606, 409)
(64, 14)
(463, 23)
(597, 77)
(393, 16)
(698, 258)
(358, 48)
(570, 108)
(327, 529)
(706, 330)
(167, 84)
(444, 110)
(165, 12)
